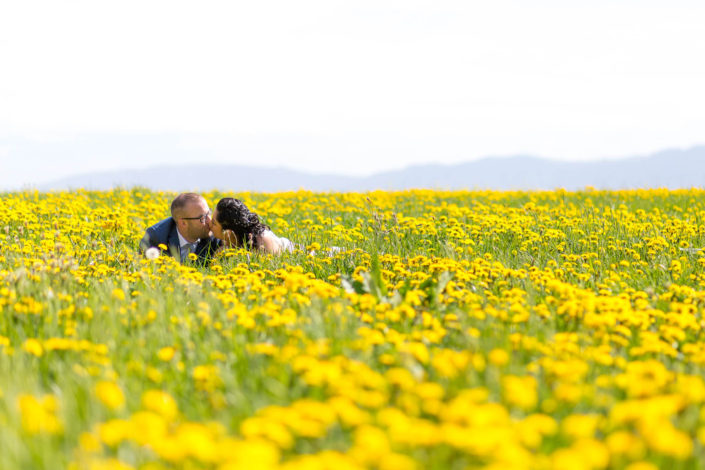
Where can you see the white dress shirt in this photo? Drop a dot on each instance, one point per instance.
(186, 246)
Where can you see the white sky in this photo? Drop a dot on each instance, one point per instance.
(343, 86)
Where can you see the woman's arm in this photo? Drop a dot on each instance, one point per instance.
(230, 240)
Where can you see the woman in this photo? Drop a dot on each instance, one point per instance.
(233, 223)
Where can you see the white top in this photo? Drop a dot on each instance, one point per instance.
(284, 243)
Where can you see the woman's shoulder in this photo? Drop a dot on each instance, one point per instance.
(269, 241)
(273, 243)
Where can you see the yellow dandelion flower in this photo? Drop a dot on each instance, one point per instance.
(110, 394)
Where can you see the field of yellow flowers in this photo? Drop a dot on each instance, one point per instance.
(452, 330)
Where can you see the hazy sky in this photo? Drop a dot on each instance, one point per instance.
(343, 86)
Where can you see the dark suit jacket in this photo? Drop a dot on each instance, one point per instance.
(164, 232)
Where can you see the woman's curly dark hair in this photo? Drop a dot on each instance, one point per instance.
(234, 215)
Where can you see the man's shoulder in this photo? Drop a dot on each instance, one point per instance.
(159, 233)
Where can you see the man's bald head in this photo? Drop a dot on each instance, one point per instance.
(181, 202)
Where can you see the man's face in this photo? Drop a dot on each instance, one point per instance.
(194, 222)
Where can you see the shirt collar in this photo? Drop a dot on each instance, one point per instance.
(183, 241)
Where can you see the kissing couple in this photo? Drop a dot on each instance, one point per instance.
(193, 228)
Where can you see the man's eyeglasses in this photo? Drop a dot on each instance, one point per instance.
(201, 218)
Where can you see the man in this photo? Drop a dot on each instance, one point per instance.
(186, 231)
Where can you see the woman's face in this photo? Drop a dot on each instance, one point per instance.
(216, 228)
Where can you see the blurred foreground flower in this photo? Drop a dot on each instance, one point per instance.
(110, 394)
(39, 415)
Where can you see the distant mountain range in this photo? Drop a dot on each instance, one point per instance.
(669, 169)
